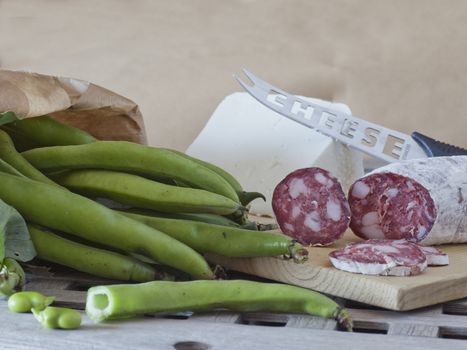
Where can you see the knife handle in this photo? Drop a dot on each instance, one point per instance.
(435, 148)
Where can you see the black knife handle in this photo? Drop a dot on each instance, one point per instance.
(435, 148)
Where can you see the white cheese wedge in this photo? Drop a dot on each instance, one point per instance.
(260, 147)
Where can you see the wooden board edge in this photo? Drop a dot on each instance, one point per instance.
(444, 290)
(315, 278)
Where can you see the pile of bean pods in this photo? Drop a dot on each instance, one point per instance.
(121, 210)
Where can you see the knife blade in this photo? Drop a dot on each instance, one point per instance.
(376, 140)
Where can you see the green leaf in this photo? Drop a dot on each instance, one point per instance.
(7, 117)
(15, 241)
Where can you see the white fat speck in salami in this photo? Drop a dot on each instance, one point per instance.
(420, 200)
(380, 257)
(310, 206)
(434, 256)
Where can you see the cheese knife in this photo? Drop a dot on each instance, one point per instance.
(376, 140)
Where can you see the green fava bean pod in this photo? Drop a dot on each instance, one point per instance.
(7, 168)
(25, 301)
(45, 131)
(124, 301)
(95, 261)
(133, 158)
(58, 317)
(207, 218)
(245, 197)
(59, 209)
(140, 192)
(9, 154)
(12, 276)
(223, 240)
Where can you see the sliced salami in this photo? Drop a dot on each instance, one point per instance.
(434, 256)
(420, 200)
(380, 257)
(310, 206)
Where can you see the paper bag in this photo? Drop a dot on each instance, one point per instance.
(98, 111)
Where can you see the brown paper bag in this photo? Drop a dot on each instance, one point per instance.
(101, 112)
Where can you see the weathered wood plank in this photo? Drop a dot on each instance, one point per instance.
(305, 321)
(413, 317)
(414, 330)
(24, 333)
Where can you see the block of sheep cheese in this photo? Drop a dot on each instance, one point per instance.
(260, 147)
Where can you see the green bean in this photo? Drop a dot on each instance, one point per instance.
(46, 131)
(9, 154)
(133, 158)
(58, 317)
(95, 261)
(222, 240)
(140, 192)
(12, 276)
(25, 301)
(59, 209)
(245, 197)
(123, 301)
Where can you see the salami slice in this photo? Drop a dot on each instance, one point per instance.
(380, 257)
(421, 200)
(310, 206)
(434, 256)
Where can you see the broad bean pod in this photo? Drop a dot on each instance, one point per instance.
(9, 154)
(133, 158)
(140, 192)
(244, 196)
(25, 301)
(223, 240)
(45, 131)
(58, 317)
(56, 208)
(207, 218)
(7, 168)
(12, 276)
(95, 261)
(123, 301)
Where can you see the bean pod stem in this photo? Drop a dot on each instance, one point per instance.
(124, 301)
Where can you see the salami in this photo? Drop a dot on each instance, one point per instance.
(310, 206)
(421, 200)
(380, 257)
(434, 256)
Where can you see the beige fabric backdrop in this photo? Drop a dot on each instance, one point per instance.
(400, 63)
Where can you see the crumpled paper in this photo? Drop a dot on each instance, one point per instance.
(94, 109)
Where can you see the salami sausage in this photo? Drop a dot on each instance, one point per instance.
(380, 257)
(310, 206)
(434, 256)
(421, 200)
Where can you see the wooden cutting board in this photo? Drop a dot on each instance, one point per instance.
(435, 285)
